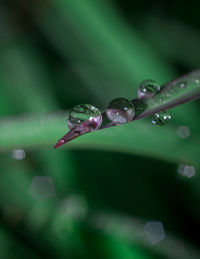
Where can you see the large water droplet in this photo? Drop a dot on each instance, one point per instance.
(148, 88)
(120, 110)
(84, 113)
(161, 118)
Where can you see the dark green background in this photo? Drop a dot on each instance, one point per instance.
(55, 54)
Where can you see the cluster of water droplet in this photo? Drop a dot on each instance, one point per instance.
(119, 110)
(149, 88)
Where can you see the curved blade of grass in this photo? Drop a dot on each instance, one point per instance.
(178, 91)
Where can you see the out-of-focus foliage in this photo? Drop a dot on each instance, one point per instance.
(95, 195)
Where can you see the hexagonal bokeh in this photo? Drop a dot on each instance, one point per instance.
(42, 187)
(18, 154)
(154, 232)
(186, 170)
(183, 132)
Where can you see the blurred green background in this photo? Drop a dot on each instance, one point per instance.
(93, 197)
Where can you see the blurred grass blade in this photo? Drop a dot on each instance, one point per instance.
(94, 37)
(139, 137)
(129, 232)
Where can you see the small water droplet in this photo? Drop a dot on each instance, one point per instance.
(182, 84)
(84, 113)
(120, 110)
(161, 118)
(148, 88)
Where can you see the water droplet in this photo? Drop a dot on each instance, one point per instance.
(183, 132)
(148, 88)
(182, 84)
(186, 170)
(120, 110)
(154, 232)
(161, 118)
(84, 113)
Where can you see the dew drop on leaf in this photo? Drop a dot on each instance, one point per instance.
(182, 84)
(148, 88)
(161, 118)
(84, 113)
(120, 110)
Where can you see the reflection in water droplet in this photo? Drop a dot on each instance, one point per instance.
(186, 170)
(161, 118)
(120, 110)
(18, 154)
(84, 113)
(148, 88)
